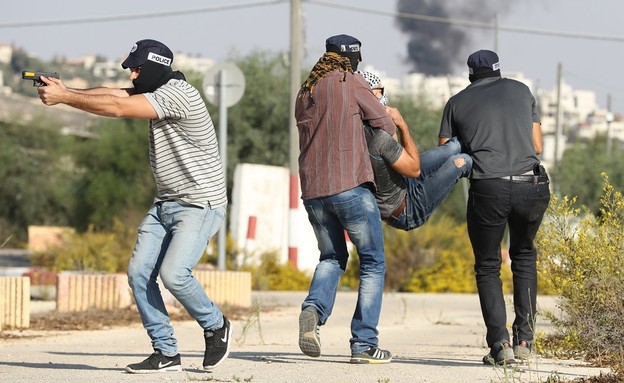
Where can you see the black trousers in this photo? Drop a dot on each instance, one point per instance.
(492, 205)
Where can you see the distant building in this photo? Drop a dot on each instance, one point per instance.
(6, 52)
(107, 70)
(183, 62)
(577, 106)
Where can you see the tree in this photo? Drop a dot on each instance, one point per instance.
(258, 123)
(38, 178)
(117, 180)
(423, 121)
(579, 173)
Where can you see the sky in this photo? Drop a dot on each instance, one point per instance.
(213, 32)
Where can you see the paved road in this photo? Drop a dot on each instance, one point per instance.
(434, 338)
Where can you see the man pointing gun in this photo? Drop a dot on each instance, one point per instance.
(189, 207)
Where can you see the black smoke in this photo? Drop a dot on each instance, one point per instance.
(437, 48)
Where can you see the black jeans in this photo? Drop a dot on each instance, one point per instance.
(492, 205)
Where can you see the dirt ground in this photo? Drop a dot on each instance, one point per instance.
(101, 320)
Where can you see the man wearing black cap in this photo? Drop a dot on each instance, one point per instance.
(498, 122)
(189, 207)
(337, 183)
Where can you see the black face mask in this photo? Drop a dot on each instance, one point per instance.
(354, 59)
(152, 77)
(483, 73)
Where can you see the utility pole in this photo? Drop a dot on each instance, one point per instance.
(609, 118)
(295, 79)
(558, 122)
(496, 34)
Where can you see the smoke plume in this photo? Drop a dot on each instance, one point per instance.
(433, 48)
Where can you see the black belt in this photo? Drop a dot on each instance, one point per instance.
(527, 178)
(398, 211)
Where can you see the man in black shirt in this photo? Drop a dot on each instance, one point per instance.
(497, 121)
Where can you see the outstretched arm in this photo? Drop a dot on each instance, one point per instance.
(101, 101)
(537, 137)
(408, 163)
(119, 92)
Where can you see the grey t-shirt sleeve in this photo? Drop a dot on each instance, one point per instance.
(446, 126)
(386, 147)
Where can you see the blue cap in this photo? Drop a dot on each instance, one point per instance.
(483, 59)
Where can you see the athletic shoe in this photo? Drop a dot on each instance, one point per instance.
(522, 351)
(217, 345)
(373, 355)
(156, 362)
(500, 354)
(309, 339)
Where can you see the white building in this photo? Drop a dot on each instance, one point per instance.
(6, 52)
(577, 106)
(183, 62)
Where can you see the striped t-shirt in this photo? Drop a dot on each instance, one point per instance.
(183, 148)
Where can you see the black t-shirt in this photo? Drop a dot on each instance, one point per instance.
(494, 117)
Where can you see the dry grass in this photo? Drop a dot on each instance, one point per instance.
(101, 320)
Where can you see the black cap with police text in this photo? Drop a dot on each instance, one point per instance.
(343, 44)
(483, 63)
(148, 50)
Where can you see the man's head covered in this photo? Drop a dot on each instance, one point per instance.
(375, 83)
(342, 53)
(482, 64)
(154, 60)
(346, 46)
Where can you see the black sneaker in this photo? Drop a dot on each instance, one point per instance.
(156, 362)
(309, 340)
(373, 355)
(217, 345)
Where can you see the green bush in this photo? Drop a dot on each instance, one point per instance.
(93, 251)
(270, 274)
(110, 250)
(582, 256)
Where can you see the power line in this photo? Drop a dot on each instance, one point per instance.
(470, 24)
(411, 16)
(108, 19)
(601, 84)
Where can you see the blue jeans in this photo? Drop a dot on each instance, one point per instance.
(356, 212)
(438, 176)
(171, 240)
(494, 204)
